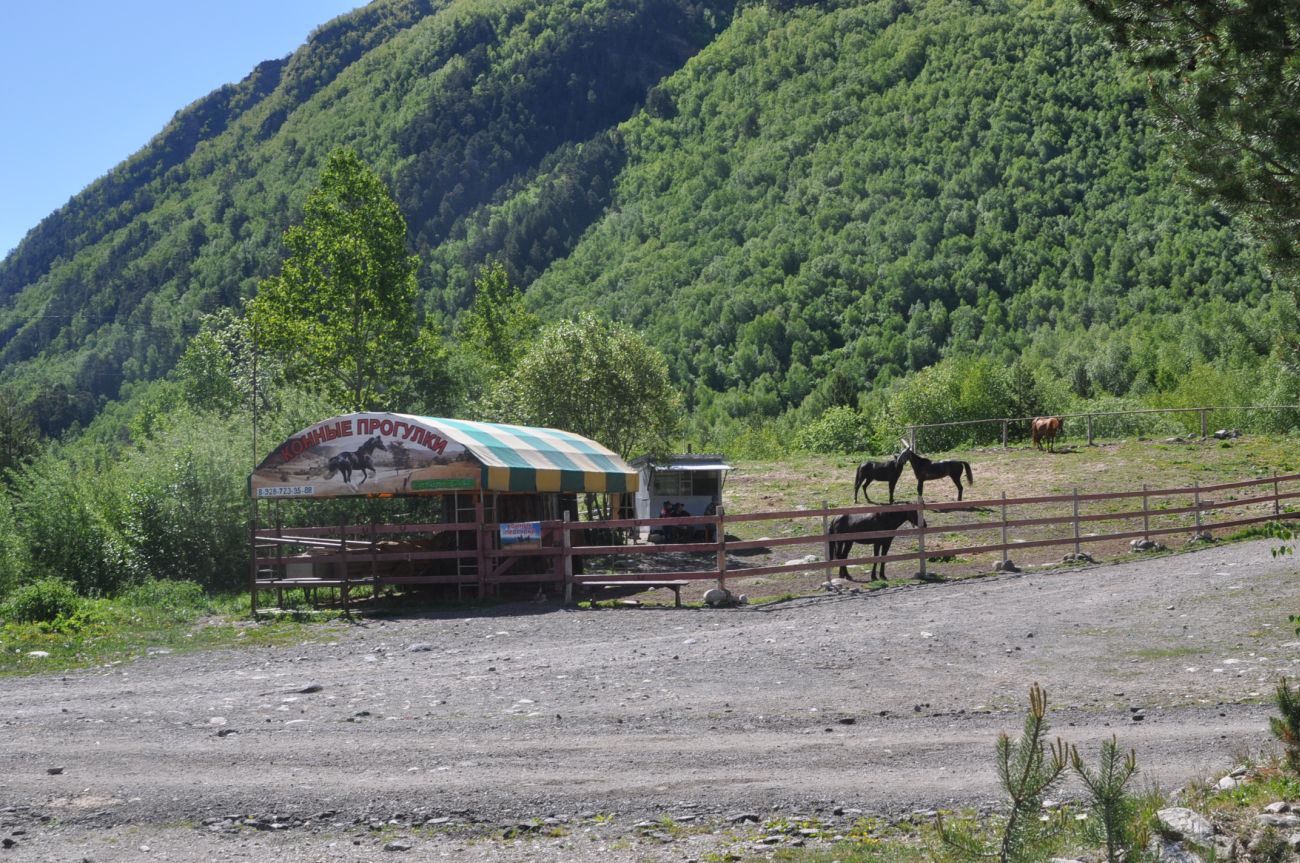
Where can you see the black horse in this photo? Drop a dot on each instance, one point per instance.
(867, 523)
(357, 459)
(869, 471)
(926, 469)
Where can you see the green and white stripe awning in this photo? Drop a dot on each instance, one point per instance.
(523, 458)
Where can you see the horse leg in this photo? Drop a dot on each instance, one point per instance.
(893, 482)
(882, 549)
(839, 551)
(957, 479)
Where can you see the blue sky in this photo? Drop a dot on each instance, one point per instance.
(86, 83)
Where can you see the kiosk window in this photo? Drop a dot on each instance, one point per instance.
(695, 483)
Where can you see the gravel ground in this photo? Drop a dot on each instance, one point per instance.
(535, 732)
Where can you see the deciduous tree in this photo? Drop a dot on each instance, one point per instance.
(598, 379)
(341, 313)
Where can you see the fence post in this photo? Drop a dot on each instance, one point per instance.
(1277, 509)
(920, 535)
(1146, 515)
(1203, 425)
(566, 558)
(826, 540)
(1004, 434)
(1089, 429)
(1196, 497)
(1076, 521)
(1004, 530)
(721, 536)
(911, 438)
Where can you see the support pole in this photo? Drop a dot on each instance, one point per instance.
(566, 558)
(1277, 498)
(1004, 434)
(252, 551)
(1204, 427)
(480, 543)
(1090, 430)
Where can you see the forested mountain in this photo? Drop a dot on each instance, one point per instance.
(796, 202)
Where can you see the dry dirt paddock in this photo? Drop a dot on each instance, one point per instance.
(536, 732)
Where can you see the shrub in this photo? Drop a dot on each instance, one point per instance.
(1028, 770)
(953, 390)
(168, 594)
(1111, 804)
(839, 430)
(43, 601)
(1286, 728)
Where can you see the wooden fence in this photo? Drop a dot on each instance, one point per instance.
(1090, 418)
(969, 535)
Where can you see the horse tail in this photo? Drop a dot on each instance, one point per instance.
(969, 476)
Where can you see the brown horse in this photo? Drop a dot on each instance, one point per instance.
(1045, 428)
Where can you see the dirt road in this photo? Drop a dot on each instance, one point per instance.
(459, 737)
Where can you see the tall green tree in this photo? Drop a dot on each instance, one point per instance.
(20, 439)
(498, 327)
(598, 379)
(341, 314)
(1224, 76)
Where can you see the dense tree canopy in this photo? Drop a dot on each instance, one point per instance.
(1224, 76)
(798, 204)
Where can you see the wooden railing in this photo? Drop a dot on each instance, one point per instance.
(357, 555)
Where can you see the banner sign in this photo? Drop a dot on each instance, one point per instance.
(521, 534)
(365, 454)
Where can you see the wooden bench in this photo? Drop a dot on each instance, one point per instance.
(674, 586)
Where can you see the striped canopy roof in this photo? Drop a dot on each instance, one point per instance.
(384, 454)
(523, 458)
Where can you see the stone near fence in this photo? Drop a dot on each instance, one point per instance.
(1227, 434)
(1078, 557)
(1146, 545)
(1005, 566)
(718, 598)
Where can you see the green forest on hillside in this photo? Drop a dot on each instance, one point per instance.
(830, 219)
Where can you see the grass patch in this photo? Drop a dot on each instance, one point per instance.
(145, 620)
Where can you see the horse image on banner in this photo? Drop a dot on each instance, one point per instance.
(366, 454)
